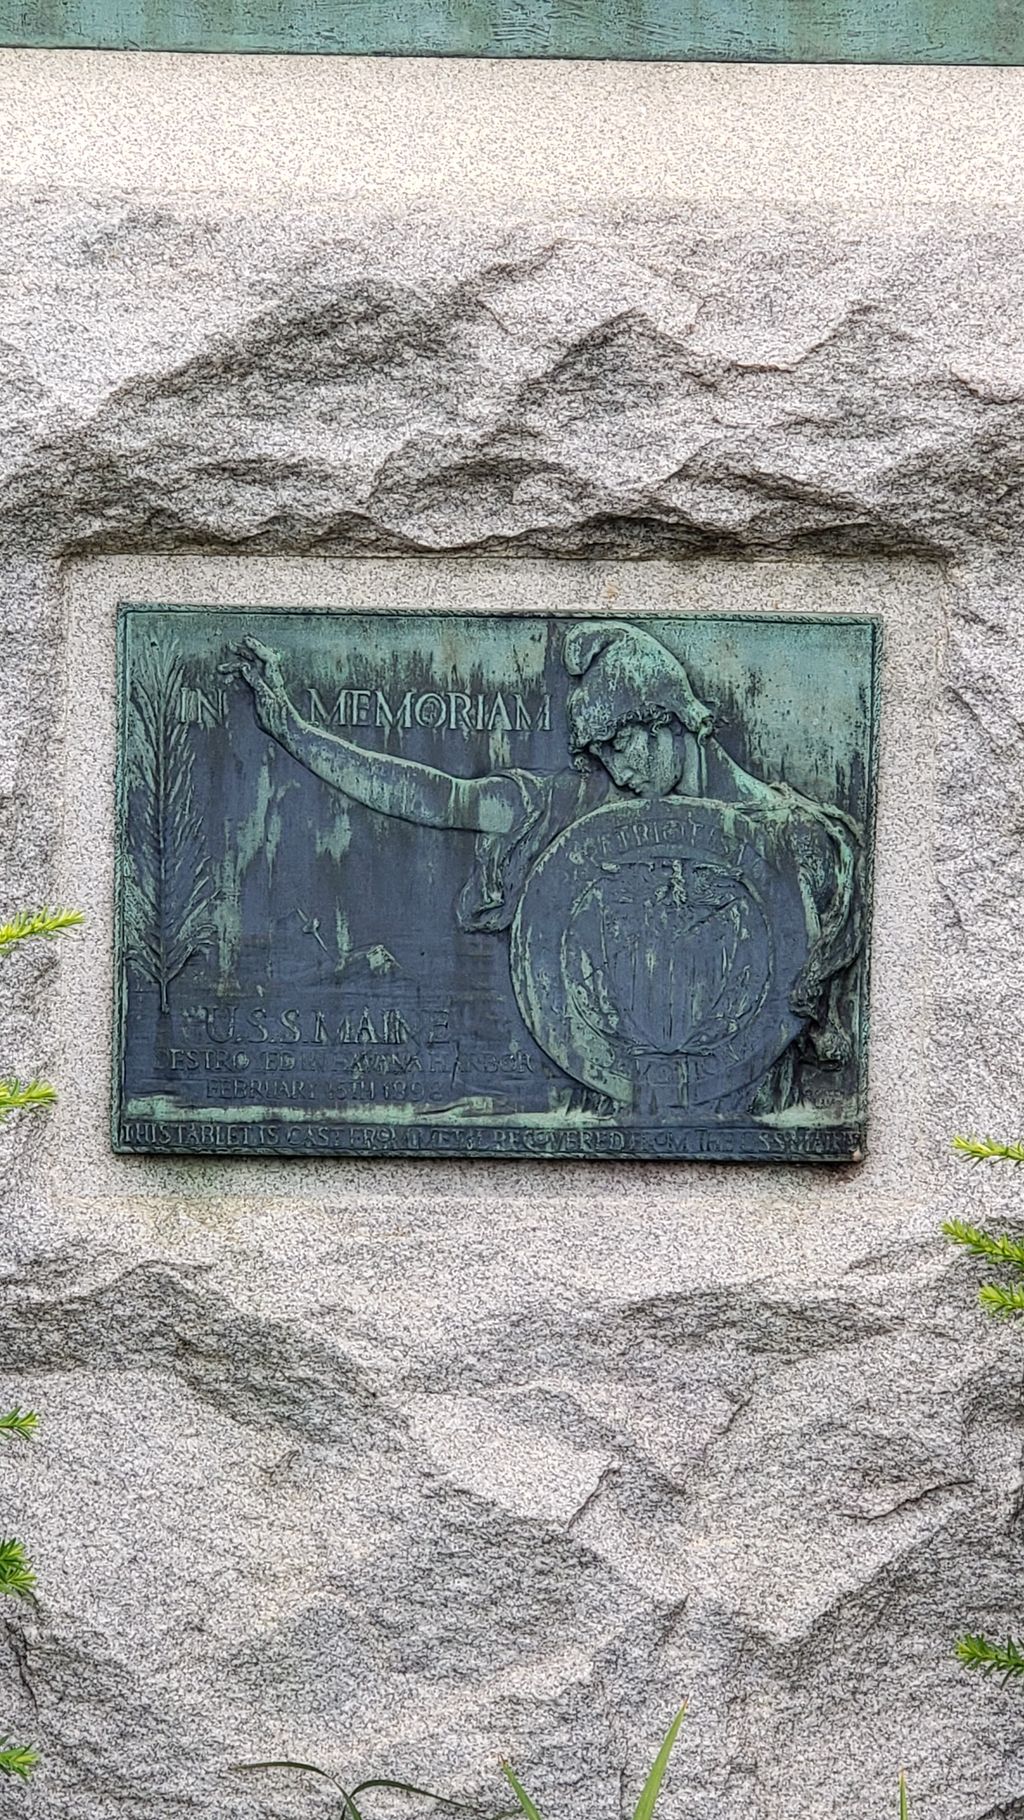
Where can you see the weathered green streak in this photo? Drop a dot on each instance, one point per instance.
(794, 31)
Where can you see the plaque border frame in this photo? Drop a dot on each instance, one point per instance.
(497, 1142)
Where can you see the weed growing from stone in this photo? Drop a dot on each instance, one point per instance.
(1003, 1300)
(648, 1794)
(24, 926)
(17, 1579)
(644, 1809)
(349, 1808)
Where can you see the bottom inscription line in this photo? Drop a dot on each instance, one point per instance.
(840, 1144)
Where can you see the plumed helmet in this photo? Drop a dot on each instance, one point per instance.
(626, 677)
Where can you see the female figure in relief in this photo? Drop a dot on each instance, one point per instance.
(636, 732)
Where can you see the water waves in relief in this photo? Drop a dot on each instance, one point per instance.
(170, 893)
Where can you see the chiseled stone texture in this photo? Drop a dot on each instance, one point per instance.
(430, 1464)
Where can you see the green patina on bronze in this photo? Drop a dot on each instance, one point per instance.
(813, 31)
(493, 885)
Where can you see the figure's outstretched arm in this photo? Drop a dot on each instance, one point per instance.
(392, 786)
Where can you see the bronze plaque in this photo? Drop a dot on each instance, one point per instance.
(493, 885)
(731, 31)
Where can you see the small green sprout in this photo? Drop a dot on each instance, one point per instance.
(21, 1422)
(1003, 1659)
(16, 1575)
(16, 1096)
(17, 1759)
(28, 925)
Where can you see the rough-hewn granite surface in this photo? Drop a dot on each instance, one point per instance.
(457, 1461)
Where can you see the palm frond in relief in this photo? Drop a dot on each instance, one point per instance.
(169, 892)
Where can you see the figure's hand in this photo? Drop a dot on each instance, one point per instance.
(260, 667)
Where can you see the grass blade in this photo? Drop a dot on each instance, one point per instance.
(649, 1793)
(311, 1769)
(904, 1802)
(428, 1794)
(528, 1807)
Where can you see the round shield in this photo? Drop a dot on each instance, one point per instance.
(655, 949)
